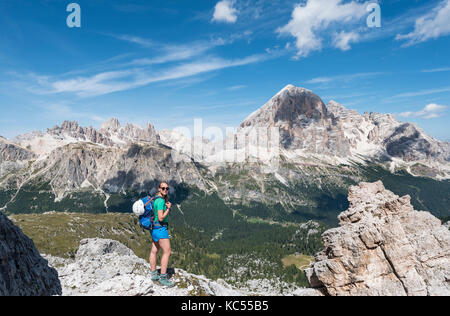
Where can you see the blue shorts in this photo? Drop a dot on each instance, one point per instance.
(160, 233)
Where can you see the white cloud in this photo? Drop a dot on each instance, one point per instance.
(343, 78)
(174, 53)
(444, 69)
(238, 87)
(175, 63)
(136, 40)
(113, 81)
(430, 26)
(419, 93)
(225, 12)
(310, 23)
(343, 39)
(429, 112)
(169, 52)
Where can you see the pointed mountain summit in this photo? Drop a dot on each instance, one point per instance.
(112, 124)
(290, 107)
(304, 123)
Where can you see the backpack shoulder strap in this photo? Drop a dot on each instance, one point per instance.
(149, 200)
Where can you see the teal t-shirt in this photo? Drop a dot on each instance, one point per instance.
(160, 204)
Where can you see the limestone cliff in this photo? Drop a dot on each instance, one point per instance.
(23, 272)
(383, 247)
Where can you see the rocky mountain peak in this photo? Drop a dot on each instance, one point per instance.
(74, 131)
(303, 121)
(338, 109)
(288, 87)
(128, 133)
(112, 124)
(410, 143)
(111, 134)
(383, 247)
(13, 153)
(289, 107)
(70, 126)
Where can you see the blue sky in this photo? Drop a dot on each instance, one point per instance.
(168, 62)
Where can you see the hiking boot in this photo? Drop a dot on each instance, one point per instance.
(155, 275)
(164, 281)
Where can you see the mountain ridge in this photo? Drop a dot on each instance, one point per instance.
(334, 134)
(321, 151)
(307, 127)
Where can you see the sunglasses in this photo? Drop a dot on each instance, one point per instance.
(165, 189)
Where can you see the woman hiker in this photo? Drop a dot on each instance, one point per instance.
(160, 235)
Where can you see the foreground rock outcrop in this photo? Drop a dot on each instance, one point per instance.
(383, 247)
(23, 272)
(104, 267)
